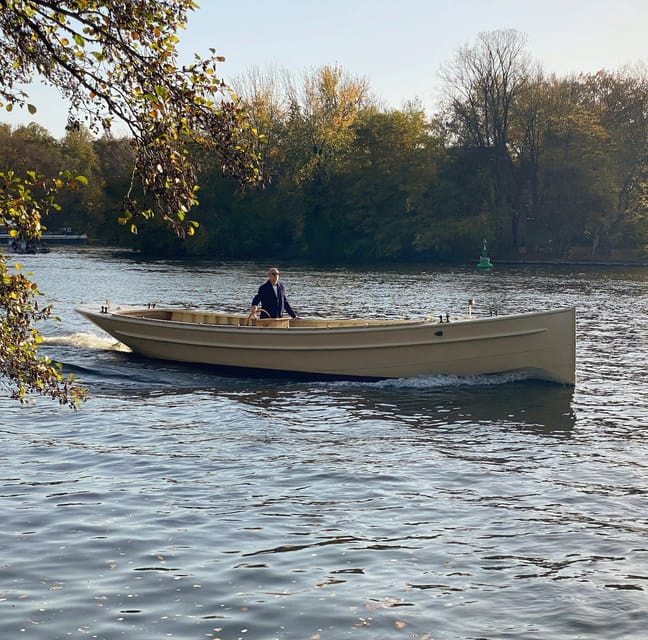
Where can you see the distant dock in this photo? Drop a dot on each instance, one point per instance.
(54, 238)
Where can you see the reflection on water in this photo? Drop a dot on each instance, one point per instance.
(178, 503)
(423, 401)
(545, 407)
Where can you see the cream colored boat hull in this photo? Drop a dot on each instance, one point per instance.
(541, 345)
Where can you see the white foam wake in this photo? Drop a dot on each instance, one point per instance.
(437, 381)
(87, 341)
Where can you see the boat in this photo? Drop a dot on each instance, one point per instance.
(41, 245)
(27, 246)
(538, 345)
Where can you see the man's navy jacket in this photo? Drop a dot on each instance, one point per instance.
(273, 305)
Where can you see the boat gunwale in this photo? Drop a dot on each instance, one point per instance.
(372, 325)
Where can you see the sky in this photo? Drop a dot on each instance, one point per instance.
(397, 46)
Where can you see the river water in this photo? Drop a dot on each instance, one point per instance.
(177, 503)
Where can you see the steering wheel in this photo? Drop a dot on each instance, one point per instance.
(258, 315)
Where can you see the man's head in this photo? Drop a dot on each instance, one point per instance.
(273, 275)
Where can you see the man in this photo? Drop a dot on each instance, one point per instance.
(272, 296)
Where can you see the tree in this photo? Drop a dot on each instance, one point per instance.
(116, 159)
(82, 208)
(265, 96)
(323, 108)
(120, 61)
(320, 135)
(484, 81)
(380, 194)
(116, 61)
(578, 177)
(621, 101)
(29, 148)
(22, 370)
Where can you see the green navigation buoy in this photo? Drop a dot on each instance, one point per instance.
(484, 260)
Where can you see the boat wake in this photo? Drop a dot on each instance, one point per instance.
(439, 381)
(86, 341)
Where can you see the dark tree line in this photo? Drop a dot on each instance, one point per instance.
(539, 165)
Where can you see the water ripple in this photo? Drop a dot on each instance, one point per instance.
(178, 503)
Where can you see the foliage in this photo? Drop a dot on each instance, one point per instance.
(112, 61)
(485, 82)
(120, 61)
(395, 184)
(543, 165)
(23, 204)
(567, 173)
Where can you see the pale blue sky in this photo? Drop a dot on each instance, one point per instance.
(397, 46)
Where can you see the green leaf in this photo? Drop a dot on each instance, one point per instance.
(32, 109)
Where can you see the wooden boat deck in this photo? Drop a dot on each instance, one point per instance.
(240, 320)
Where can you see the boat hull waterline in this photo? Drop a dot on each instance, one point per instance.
(539, 345)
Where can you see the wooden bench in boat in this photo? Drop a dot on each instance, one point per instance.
(239, 320)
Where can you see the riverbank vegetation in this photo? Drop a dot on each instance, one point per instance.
(541, 166)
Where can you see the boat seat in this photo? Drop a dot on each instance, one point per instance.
(274, 323)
